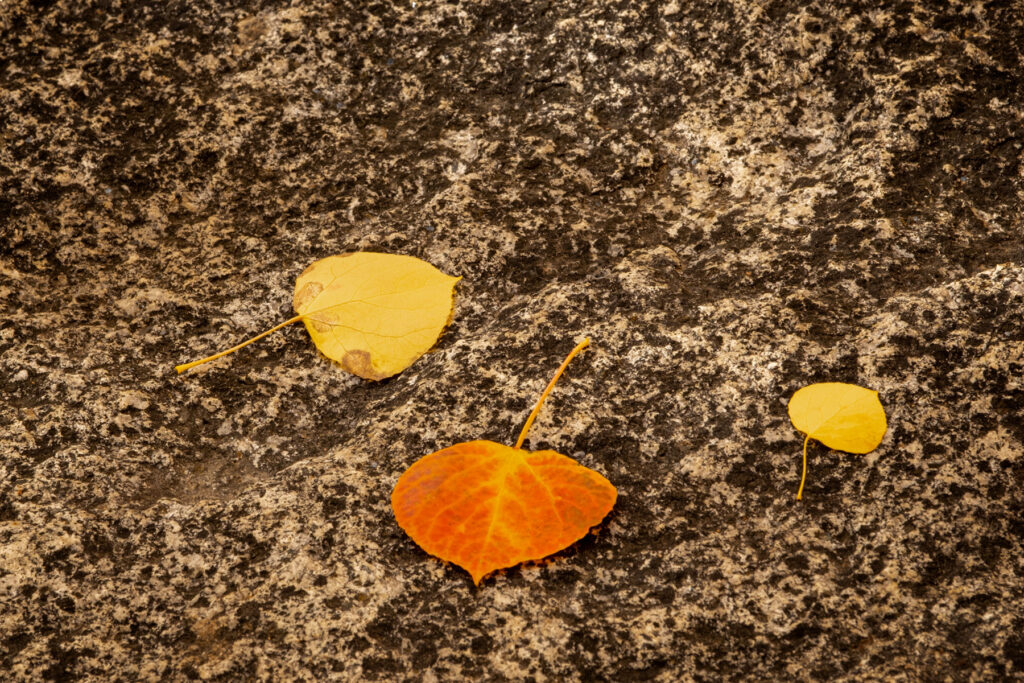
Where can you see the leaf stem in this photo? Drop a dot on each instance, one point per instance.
(551, 385)
(803, 477)
(189, 366)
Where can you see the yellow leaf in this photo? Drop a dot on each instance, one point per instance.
(844, 417)
(375, 314)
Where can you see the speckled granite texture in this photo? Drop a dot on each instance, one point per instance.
(732, 199)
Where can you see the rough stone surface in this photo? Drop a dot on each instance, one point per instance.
(731, 198)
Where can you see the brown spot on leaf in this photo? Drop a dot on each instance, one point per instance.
(358, 363)
(306, 294)
(322, 321)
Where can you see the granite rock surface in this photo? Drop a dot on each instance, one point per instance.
(731, 198)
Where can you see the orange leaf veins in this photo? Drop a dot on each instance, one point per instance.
(485, 506)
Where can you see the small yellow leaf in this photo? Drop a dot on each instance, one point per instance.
(374, 313)
(844, 417)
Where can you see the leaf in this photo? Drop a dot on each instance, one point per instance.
(484, 506)
(844, 417)
(375, 314)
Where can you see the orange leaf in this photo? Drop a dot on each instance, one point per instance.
(484, 506)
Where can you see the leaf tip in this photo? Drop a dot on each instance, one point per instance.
(477, 575)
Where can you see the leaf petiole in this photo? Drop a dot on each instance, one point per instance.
(551, 385)
(803, 477)
(189, 366)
